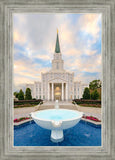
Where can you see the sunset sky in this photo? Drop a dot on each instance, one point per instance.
(34, 45)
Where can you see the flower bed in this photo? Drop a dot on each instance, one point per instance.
(91, 118)
(21, 119)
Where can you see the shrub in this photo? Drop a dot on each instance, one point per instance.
(28, 95)
(21, 95)
(27, 102)
(86, 94)
(95, 103)
(94, 95)
(33, 99)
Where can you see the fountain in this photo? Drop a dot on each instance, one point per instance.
(57, 120)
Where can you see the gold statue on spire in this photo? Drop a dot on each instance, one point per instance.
(57, 30)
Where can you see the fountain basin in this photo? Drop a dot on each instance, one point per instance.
(57, 120)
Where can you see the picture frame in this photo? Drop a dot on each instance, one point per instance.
(7, 9)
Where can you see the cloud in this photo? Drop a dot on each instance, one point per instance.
(83, 64)
(87, 76)
(89, 52)
(90, 24)
(18, 38)
(22, 68)
(35, 38)
(27, 72)
(73, 52)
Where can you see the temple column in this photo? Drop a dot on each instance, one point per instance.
(62, 91)
(66, 92)
(52, 91)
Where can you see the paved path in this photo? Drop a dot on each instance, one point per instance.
(62, 104)
(23, 112)
(91, 111)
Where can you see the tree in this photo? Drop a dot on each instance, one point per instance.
(28, 95)
(95, 84)
(21, 95)
(95, 95)
(86, 94)
(16, 94)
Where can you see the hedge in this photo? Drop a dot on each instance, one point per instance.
(21, 102)
(84, 101)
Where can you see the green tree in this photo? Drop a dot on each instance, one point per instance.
(86, 94)
(28, 95)
(95, 95)
(16, 94)
(95, 84)
(21, 95)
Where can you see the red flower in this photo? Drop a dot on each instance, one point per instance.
(92, 118)
(20, 119)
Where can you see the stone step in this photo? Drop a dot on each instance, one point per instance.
(60, 103)
(42, 107)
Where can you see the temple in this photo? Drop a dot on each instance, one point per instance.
(57, 83)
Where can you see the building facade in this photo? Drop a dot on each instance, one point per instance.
(57, 83)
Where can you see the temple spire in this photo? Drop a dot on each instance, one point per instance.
(57, 47)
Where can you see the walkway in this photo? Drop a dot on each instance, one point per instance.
(91, 111)
(23, 112)
(62, 104)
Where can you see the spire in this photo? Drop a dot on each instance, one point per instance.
(57, 47)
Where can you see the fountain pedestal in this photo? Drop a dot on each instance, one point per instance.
(57, 135)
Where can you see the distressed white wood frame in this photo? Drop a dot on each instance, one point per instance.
(10, 7)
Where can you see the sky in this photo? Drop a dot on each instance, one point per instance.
(34, 38)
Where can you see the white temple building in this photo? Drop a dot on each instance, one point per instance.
(57, 83)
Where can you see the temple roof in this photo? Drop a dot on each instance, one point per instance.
(57, 47)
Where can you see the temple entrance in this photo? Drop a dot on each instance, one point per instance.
(57, 91)
(58, 98)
